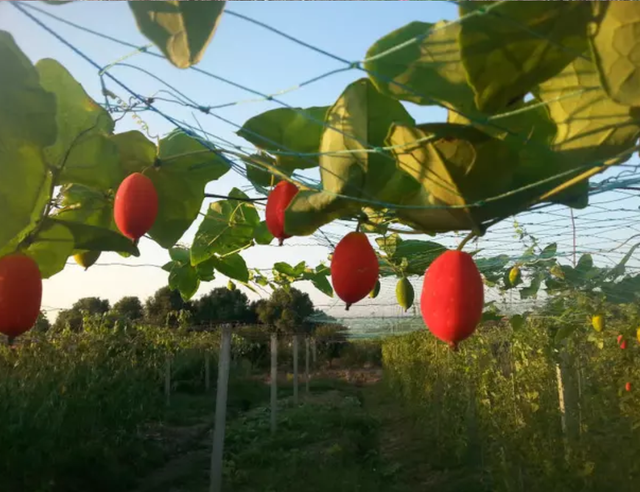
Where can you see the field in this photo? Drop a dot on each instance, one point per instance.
(89, 412)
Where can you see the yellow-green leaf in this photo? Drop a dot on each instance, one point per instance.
(182, 30)
(51, 247)
(425, 72)
(616, 49)
(513, 46)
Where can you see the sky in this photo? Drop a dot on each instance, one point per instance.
(255, 58)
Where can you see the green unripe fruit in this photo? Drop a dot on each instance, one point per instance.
(231, 285)
(376, 290)
(86, 258)
(404, 293)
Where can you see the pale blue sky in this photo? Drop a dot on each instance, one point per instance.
(241, 52)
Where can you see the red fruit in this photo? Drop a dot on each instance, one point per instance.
(354, 268)
(627, 387)
(623, 345)
(619, 338)
(136, 206)
(20, 294)
(278, 201)
(452, 297)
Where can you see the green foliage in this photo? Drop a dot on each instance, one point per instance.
(84, 309)
(128, 310)
(222, 305)
(164, 307)
(286, 311)
(181, 30)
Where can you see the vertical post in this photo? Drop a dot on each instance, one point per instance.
(306, 364)
(207, 372)
(295, 369)
(167, 380)
(215, 481)
(314, 350)
(274, 380)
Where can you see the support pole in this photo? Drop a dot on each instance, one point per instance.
(295, 369)
(306, 364)
(215, 481)
(274, 381)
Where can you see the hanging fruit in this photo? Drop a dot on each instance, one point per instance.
(452, 297)
(404, 293)
(623, 345)
(514, 275)
(354, 268)
(638, 334)
(135, 207)
(20, 294)
(278, 201)
(627, 386)
(619, 339)
(376, 290)
(86, 258)
(598, 322)
(231, 286)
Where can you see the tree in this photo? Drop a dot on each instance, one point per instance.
(42, 323)
(87, 306)
(286, 311)
(164, 307)
(222, 305)
(127, 310)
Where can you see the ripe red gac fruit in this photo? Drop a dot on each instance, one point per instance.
(623, 345)
(20, 294)
(136, 206)
(627, 387)
(452, 297)
(619, 339)
(354, 268)
(278, 201)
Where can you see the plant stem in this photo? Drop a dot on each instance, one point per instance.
(227, 197)
(468, 238)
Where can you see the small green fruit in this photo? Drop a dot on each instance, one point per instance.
(598, 322)
(376, 290)
(231, 285)
(86, 258)
(404, 293)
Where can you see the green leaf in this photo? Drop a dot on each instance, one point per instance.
(185, 168)
(534, 286)
(27, 112)
(616, 48)
(426, 72)
(136, 151)
(205, 270)
(86, 205)
(184, 278)
(290, 271)
(93, 161)
(180, 254)
(228, 226)
(565, 331)
(182, 30)
(90, 238)
(517, 322)
(511, 47)
(417, 255)
(592, 129)
(27, 124)
(258, 168)
(261, 234)
(360, 119)
(79, 117)
(51, 247)
(288, 130)
(232, 266)
(457, 166)
(619, 269)
(320, 282)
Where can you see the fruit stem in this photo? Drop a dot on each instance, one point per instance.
(469, 237)
(347, 306)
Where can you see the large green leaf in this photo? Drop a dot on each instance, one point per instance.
(184, 278)
(182, 30)
(415, 255)
(91, 238)
(616, 50)
(228, 226)
(232, 266)
(93, 161)
(51, 247)
(79, 117)
(184, 169)
(27, 124)
(592, 128)
(89, 206)
(360, 120)
(513, 46)
(136, 151)
(425, 72)
(288, 130)
(457, 166)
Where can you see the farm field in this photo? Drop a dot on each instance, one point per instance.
(319, 246)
